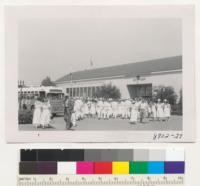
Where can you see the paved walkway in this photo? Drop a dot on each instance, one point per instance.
(175, 123)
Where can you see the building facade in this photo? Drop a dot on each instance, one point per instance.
(133, 79)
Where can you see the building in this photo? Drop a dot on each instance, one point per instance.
(133, 79)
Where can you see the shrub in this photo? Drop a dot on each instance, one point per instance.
(167, 92)
(108, 91)
(25, 117)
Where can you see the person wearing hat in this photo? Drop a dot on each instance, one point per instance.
(37, 113)
(109, 109)
(127, 105)
(86, 108)
(114, 106)
(46, 113)
(160, 110)
(134, 113)
(123, 109)
(77, 108)
(154, 111)
(143, 109)
(105, 110)
(167, 110)
(99, 108)
(119, 108)
(93, 108)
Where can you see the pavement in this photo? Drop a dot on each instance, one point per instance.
(58, 123)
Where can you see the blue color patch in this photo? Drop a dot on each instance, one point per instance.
(155, 167)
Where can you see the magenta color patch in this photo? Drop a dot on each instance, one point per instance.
(85, 167)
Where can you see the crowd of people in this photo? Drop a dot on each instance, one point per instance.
(42, 113)
(138, 110)
(134, 110)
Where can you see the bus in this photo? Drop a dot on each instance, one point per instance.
(28, 95)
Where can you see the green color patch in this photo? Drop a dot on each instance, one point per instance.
(138, 167)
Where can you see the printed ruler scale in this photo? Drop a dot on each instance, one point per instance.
(105, 180)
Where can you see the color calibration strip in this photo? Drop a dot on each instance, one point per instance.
(102, 161)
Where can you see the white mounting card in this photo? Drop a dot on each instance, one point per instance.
(144, 51)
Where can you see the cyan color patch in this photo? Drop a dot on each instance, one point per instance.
(156, 167)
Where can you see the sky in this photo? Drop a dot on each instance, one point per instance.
(55, 47)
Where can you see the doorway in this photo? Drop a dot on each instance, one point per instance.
(140, 90)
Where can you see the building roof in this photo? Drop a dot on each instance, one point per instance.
(126, 70)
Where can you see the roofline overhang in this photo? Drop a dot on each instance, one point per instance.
(122, 76)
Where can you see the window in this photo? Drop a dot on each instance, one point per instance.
(70, 92)
(85, 92)
(93, 91)
(89, 92)
(81, 92)
(74, 92)
(78, 92)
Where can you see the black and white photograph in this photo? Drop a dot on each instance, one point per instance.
(97, 73)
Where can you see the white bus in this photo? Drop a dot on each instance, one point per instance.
(55, 94)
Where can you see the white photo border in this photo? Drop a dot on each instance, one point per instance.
(184, 12)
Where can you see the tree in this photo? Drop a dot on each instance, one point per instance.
(108, 91)
(167, 92)
(47, 82)
(180, 103)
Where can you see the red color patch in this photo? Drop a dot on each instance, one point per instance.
(103, 168)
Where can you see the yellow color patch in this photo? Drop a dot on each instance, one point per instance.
(120, 167)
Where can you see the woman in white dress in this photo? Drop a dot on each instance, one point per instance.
(46, 113)
(154, 111)
(160, 110)
(134, 113)
(37, 113)
(86, 109)
(73, 119)
(167, 110)
(119, 110)
(93, 109)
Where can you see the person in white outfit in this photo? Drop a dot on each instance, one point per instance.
(119, 110)
(86, 109)
(167, 110)
(143, 110)
(138, 104)
(108, 109)
(46, 113)
(89, 107)
(93, 109)
(73, 119)
(154, 111)
(134, 113)
(160, 110)
(149, 109)
(104, 110)
(114, 106)
(99, 108)
(127, 106)
(37, 113)
(123, 109)
(77, 109)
